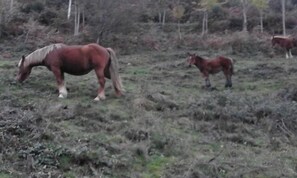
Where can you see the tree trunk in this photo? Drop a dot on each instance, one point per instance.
(160, 17)
(179, 32)
(1, 18)
(164, 17)
(261, 21)
(244, 11)
(204, 23)
(76, 20)
(83, 19)
(69, 9)
(284, 16)
(11, 5)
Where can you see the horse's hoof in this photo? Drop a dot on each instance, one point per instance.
(96, 99)
(100, 98)
(228, 86)
(119, 94)
(213, 88)
(205, 87)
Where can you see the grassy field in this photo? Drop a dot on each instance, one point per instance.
(166, 125)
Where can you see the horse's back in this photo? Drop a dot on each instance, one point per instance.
(223, 60)
(283, 41)
(98, 48)
(79, 59)
(84, 52)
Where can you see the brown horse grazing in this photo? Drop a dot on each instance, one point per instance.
(213, 66)
(74, 60)
(285, 42)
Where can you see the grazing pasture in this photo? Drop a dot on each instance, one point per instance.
(166, 125)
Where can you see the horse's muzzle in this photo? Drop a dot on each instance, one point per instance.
(18, 79)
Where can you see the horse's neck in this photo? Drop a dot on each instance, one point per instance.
(31, 62)
(37, 57)
(200, 63)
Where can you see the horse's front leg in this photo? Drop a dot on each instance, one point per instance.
(101, 80)
(60, 82)
(207, 82)
(290, 54)
(287, 54)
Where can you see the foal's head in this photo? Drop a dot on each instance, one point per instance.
(193, 59)
(24, 71)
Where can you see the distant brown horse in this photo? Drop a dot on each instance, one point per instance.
(75, 60)
(286, 43)
(213, 66)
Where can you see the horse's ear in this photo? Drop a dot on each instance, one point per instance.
(22, 61)
(23, 58)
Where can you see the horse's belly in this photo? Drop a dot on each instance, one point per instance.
(77, 71)
(76, 67)
(214, 71)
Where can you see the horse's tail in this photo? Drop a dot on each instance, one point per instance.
(114, 71)
(232, 65)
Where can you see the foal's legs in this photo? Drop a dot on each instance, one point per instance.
(228, 81)
(206, 78)
(101, 80)
(228, 78)
(207, 82)
(60, 81)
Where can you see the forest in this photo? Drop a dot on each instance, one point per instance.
(167, 124)
(147, 24)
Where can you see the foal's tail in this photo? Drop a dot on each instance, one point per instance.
(114, 71)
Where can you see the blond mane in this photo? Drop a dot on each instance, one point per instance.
(39, 55)
(283, 37)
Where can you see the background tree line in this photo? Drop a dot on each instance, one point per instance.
(37, 22)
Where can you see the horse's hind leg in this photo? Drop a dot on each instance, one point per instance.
(207, 82)
(228, 81)
(101, 80)
(60, 81)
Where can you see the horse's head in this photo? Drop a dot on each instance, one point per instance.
(191, 59)
(24, 71)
